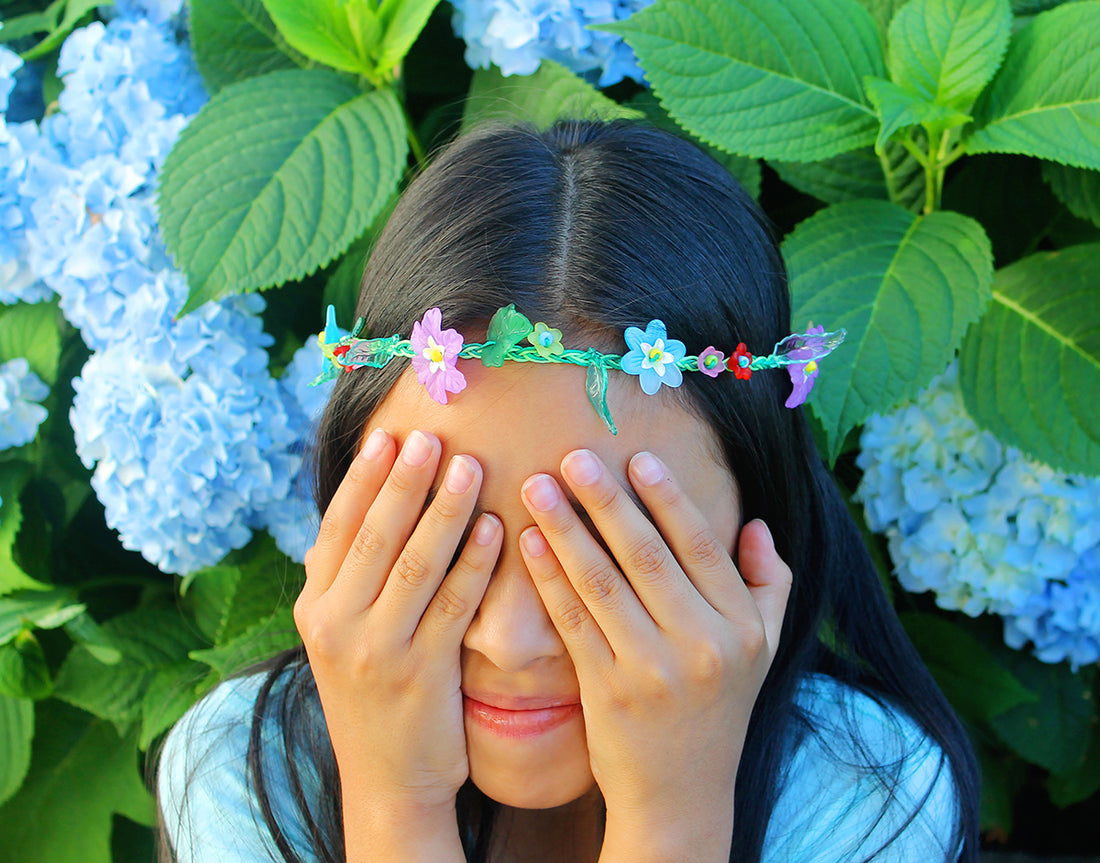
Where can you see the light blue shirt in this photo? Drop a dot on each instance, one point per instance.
(832, 807)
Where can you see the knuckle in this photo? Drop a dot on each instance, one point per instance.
(573, 616)
(449, 604)
(599, 583)
(649, 557)
(707, 663)
(368, 543)
(412, 569)
(704, 549)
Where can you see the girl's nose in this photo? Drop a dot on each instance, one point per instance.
(511, 627)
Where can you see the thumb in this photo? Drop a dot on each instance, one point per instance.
(767, 577)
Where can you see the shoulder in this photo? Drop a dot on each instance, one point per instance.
(204, 787)
(863, 781)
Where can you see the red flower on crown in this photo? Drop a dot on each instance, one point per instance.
(740, 363)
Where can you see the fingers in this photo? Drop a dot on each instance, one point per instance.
(347, 509)
(768, 578)
(595, 576)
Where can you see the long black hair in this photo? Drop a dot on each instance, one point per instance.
(596, 227)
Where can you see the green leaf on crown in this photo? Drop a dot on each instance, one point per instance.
(236, 39)
(275, 177)
(1077, 188)
(904, 286)
(1030, 368)
(82, 768)
(946, 51)
(16, 733)
(760, 78)
(552, 93)
(1045, 100)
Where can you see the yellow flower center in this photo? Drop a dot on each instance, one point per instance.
(655, 354)
(811, 367)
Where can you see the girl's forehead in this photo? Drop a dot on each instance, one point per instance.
(522, 419)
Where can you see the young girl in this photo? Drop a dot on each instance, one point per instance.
(528, 638)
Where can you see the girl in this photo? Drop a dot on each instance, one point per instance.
(527, 638)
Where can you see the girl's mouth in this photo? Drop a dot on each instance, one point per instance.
(522, 718)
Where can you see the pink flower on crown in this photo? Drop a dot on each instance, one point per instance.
(436, 356)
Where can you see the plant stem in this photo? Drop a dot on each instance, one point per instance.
(414, 140)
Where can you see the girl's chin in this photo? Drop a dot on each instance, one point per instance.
(529, 789)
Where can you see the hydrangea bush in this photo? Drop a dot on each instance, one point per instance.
(156, 416)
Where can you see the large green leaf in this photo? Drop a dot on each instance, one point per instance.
(236, 39)
(16, 733)
(260, 641)
(81, 774)
(148, 640)
(552, 93)
(33, 332)
(946, 51)
(343, 34)
(860, 173)
(1077, 188)
(1080, 784)
(969, 676)
(36, 609)
(1045, 100)
(402, 21)
(275, 177)
(1054, 730)
(905, 287)
(13, 477)
(760, 78)
(1030, 369)
(883, 12)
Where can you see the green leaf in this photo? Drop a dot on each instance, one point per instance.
(1077, 188)
(236, 39)
(552, 93)
(946, 51)
(30, 23)
(1045, 100)
(506, 328)
(81, 774)
(343, 34)
(1053, 731)
(148, 640)
(23, 669)
(275, 177)
(260, 641)
(16, 733)
(36, 609)
(969, 676)
(402, 22)
(1069, 788)
(171, 692)
(32, 331)
(862, 173)
(899, 109)
(760, 78)
(13, 477)
(904, 286)
(1030, 369)
(74, 11)
(883, 12)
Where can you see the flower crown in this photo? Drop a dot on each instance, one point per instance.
(656, 359)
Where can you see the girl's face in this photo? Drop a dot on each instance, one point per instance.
(524, 719)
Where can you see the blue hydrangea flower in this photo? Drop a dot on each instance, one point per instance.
(653, 357)
(190, 440)
(20, 414)
(517, 35)
(983, 527)
(293, 520)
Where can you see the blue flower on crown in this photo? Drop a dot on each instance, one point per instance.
(653, 357)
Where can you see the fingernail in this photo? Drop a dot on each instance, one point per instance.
(581, 467)
(417, 449)
(460, 475)
(647, 468)
(542, 492)
(533, 542)
(768, 530)
(485, 530)
(375, 443)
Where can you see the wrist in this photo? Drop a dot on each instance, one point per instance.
(668, 837)
(401, 833)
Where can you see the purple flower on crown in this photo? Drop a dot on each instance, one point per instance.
(711, 362)
(803, 375)
(436, 356)
(653, 356)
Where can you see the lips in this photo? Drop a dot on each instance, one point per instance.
(519, 716)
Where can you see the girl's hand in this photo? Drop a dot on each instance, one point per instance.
(671, 645)
(383, 619)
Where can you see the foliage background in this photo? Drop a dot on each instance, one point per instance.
(931, 165)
